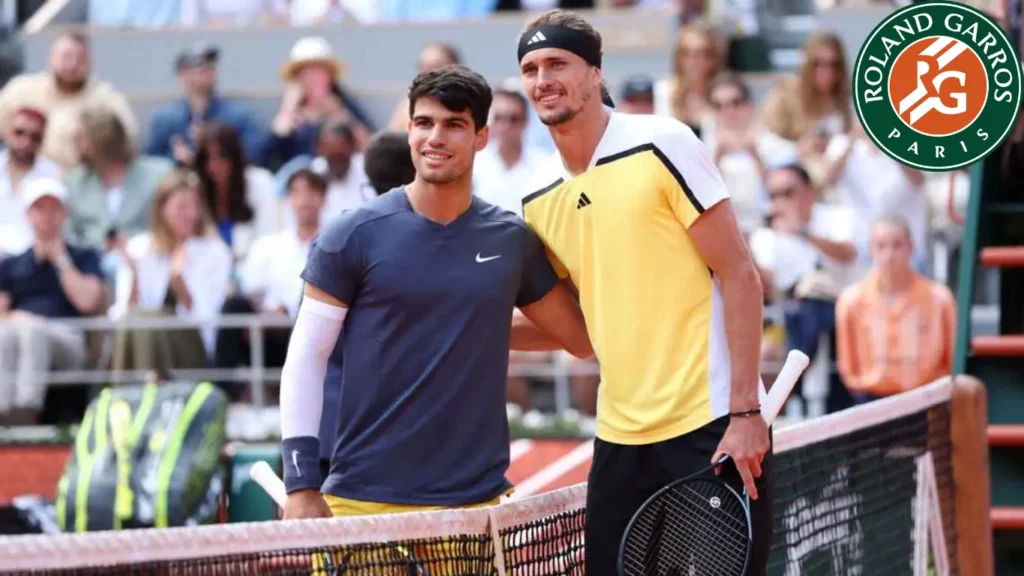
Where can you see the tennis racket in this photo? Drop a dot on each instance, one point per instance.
(699, 525)
(327, 563)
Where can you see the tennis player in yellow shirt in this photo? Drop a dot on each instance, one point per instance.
(634, 213)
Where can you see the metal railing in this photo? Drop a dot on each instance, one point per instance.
(560, 368)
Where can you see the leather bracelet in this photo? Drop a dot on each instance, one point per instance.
(746, 414)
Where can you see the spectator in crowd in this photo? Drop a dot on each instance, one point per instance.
(312, 96)
(637, 96)
(271, 278)
(699, 55)
(338, 161)
(62, 93)
(816, 102)
(804, 256)
(742, 150)
(502, 171)
(110, 193)
(240, 198)
(180, 267)
(873, 184)
(175, 129)
(388, 161)
(21, 162)
(50, 280)
(433, 57)
(895, 329)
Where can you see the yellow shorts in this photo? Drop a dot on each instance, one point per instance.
(386, 560)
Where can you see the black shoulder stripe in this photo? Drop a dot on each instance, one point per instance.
(650, 147)
(625, 153)
(679, 178)
(541, 192)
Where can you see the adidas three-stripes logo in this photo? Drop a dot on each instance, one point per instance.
(583, 201)
(538, 37)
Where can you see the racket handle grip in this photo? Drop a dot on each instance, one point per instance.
(796, 363)
(262, 474)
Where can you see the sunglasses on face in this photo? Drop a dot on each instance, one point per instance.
(785, 193)
(509, 118)
(731, 103)
(826, 63)
(35, 137)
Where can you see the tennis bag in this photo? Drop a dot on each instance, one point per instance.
(145, 456)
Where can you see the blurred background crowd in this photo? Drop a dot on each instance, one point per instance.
(118, 202)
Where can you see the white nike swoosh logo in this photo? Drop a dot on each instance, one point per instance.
(295, 461)
(488, 259)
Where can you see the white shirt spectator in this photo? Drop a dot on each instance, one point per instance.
(206, 274)
(15, 232)
(502, 185)
(790, 257)
(873, 184)
(273, 271)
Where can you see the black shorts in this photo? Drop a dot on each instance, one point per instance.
(623, 477)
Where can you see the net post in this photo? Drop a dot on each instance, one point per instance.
(968, 432)
(499, 551)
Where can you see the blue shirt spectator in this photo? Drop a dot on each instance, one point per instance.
(33, 286)
(175, 127)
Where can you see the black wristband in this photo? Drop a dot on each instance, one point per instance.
(746, 414)
(301, 463)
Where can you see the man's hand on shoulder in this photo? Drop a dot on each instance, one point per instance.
(306, 504)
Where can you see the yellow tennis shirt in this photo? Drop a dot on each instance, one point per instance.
(653, 309)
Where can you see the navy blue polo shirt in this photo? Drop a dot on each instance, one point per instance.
(34, 286)
(425, 347)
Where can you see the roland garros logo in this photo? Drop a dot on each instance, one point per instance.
(937, 85)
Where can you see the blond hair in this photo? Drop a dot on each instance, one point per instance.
(106, 136)
(177, 181)
(812, 104)
(680, 88)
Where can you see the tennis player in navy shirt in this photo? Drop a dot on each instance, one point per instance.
(418, 288)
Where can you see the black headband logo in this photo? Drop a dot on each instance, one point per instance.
(548, 36)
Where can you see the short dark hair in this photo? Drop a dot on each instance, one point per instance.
(730, 79)
(387, 161)
(576, 23)
(799, 170)
(313, 180)
(515, 95)
(338, 127)
(457, 88)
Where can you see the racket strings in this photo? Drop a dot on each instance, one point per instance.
(695, 528)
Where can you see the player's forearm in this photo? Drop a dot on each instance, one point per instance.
(744, 313)
(313, 338)
(527, 337)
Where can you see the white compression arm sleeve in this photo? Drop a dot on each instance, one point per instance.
(317, 328)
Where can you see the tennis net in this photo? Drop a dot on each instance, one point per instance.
(869, 491)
